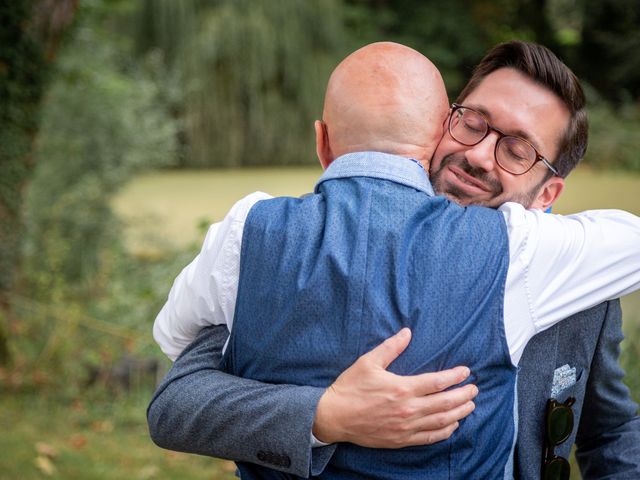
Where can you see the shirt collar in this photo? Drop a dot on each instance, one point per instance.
(403, 170)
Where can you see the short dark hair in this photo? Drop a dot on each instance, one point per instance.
(544, 67)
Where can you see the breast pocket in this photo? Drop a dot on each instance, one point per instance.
(565, 387)
(577, 391)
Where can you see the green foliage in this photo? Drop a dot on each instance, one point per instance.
(23, 74)
(103, 120)
(246, 78)
(65, 345)
(600, 40)
(608, 56)
(454, 35)
(252, 74)
(614, 139)
(630, 358)
(100, 125)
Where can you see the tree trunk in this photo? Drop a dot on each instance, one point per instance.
(30, 35)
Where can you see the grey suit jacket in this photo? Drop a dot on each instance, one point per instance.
(607, 428)
(199, 409)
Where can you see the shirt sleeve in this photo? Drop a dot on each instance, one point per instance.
(562, 265)
(204, 293)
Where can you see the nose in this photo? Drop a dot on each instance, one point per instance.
(482, 155)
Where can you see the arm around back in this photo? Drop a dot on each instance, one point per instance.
(199, 409)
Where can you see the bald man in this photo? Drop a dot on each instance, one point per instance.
(306, 286)
(386, 98)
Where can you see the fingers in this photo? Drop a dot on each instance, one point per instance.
(433, 382)
(431, 436)
(390, 349)
(445, 401)
(432, 428)
(437, 410)
(440, 420)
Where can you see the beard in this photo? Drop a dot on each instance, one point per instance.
(495, 190)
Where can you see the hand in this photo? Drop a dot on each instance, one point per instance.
(371, 407)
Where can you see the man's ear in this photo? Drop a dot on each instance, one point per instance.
(550, 191)
(323, 149)
(445, 122)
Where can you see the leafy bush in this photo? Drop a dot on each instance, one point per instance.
(252, 74)
(614, 134)
(103, 120)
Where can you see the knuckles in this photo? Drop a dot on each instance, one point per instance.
(447, 404)
(405, 411)
(430, 438)
(439, 384)
(400, 392)
(441, 421)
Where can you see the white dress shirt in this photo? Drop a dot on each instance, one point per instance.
(559, 266)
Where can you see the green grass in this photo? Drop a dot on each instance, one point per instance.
(165, 208)
(93, 438)
(171, 204)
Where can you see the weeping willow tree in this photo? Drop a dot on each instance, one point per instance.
(248, 76)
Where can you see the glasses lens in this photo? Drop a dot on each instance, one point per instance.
(467, 126)
(556, 469)
(515, 155)
(560, 424)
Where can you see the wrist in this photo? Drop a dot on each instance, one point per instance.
(324, 424)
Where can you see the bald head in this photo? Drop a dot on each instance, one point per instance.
(385, 97)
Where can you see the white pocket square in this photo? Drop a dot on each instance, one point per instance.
(563, 378)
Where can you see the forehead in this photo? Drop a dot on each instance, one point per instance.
(518, 105)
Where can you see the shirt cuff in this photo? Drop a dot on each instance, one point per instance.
(315, 443)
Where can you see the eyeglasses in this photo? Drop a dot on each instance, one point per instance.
(559, 425)
(513, 154)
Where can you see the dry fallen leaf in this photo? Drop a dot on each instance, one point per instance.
(102, 426)
(171, 455)
(46, 450)
(45, 465)
(147, 472)
(78, 441)
(78, 406)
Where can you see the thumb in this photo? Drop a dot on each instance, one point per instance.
(390, 349)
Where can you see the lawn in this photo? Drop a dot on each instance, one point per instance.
(170, 208)
(96, 438)
(171, 204)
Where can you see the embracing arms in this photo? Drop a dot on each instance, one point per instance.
(199, 409)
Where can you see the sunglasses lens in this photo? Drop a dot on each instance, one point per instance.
(556, 469)
(560, 424)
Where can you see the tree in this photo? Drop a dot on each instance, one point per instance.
(102, 121)
(30, 36)
(251, 74)
(609, 54)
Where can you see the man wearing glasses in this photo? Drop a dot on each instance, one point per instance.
(475, 162)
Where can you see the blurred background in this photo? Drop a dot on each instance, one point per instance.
(126, 127)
